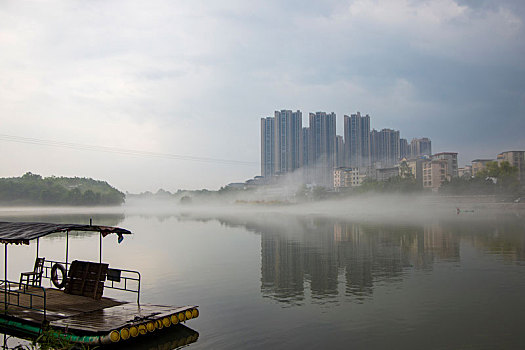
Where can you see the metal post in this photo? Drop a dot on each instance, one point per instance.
(100, 244)
(37, 246)
(5, 277)
(67, 249)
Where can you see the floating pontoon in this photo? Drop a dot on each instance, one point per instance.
(76, 310)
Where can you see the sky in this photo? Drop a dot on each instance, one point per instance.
(102, 88)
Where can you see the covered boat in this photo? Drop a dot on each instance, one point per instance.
(74, 307)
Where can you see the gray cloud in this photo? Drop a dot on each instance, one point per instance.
(194, 77)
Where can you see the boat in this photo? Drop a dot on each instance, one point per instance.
(74, 307)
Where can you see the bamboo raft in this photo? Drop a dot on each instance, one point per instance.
(84, 320)
(80, 313)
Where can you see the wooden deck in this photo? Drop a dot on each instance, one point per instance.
(80, 314)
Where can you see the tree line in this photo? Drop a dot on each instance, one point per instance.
(33, 189)
(495, 178)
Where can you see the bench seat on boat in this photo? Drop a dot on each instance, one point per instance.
(86, 278)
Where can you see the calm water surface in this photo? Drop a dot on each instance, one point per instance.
(281, 281)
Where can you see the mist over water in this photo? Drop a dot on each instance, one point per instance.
(370, 207)
(375, 272)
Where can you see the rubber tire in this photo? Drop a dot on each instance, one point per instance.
(54, 276)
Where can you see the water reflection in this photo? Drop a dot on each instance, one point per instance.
(172, 338)
(330, 258)
(64, 217)
(275, 280)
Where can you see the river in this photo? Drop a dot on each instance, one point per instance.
(285, 280)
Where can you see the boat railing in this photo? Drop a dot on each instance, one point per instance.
(22, 296)
(125, 280)
(118, 279)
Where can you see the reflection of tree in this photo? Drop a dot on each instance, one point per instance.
(109, 219)
(504, 238)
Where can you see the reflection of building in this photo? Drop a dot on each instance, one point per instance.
(516, 159)
(282, 268)
(441, 244)
(324, 255)
(314, 252)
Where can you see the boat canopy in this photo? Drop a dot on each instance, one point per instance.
(23, 232)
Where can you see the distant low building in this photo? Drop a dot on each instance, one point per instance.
(236, 185)
(452, 162)
(465, 171)
(416, 168)
(383, 174)
(257, 181)
(348, 177)
(516, 159)
(479, 164)
(435, 173)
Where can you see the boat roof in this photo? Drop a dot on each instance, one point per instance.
(23, 232)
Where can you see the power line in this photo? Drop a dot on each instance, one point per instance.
(123, 151)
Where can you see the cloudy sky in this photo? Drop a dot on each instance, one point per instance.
(193, 78)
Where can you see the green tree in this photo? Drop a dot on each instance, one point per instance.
(468, 186)
(405, 171)
(33, 189)
(505, 176)
(319, 192)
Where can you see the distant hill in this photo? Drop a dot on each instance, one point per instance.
(33, 189)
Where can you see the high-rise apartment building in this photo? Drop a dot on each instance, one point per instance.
(267, 147)
(306, 146)
(357, 140)
(321, 152)
(387, 147)
(384, 148)
(404, 149)
(287, 146)
(281, 143)
(339, 151)
(288, 141)
(420, 147)
(374, 148)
